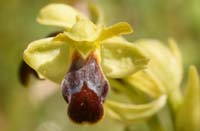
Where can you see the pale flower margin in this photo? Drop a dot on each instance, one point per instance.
(123, 63)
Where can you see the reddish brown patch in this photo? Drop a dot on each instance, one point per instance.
(85, 106)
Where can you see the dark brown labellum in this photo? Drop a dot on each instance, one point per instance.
(85, 88)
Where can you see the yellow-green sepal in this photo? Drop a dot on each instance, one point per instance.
(134, 113)
(121, 58)
(49, 57)
(60, 15)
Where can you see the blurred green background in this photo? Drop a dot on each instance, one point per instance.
(161, 19)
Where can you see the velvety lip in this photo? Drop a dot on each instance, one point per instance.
(85, 88)
(85, 106)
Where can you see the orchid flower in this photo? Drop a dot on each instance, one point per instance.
(87, 59)
(82, 58)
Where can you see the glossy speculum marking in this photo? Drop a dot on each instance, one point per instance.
(85, 88)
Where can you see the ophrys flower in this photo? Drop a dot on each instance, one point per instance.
(81, 57)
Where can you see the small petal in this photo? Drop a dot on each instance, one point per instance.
(58, 15)
(134, 113)
(121, 58)
(188, 116)
(115, 30)
(83, 30)
(49, 57)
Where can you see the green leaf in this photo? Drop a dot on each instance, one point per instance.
(134, 113)
(60, 15)
(188, 116)
(51, 58)
(121, 58)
